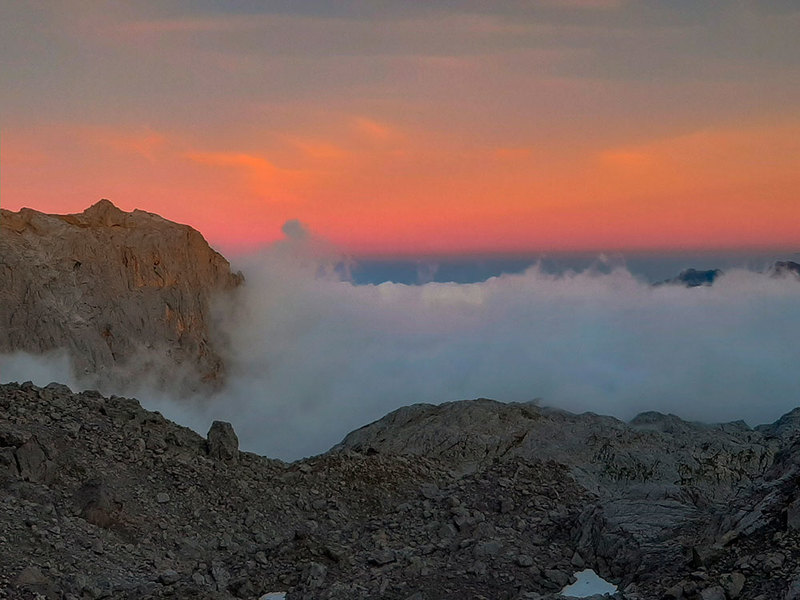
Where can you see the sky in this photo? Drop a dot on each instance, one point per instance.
(411, 128)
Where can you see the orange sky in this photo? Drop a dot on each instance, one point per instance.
(579, 125)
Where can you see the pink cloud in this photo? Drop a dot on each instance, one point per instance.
(374, 129)
(146, 142)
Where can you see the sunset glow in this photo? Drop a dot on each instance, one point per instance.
(393, 129)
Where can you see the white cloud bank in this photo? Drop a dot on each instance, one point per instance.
(313, 357)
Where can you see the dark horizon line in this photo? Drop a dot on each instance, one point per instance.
(522, 254)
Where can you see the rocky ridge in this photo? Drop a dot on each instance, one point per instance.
(691, 278)
(666, 490)
(102, 498)
(127, 294)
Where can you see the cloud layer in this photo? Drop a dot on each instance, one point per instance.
(313, 356)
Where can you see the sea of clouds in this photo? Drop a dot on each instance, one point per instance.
(311, 356)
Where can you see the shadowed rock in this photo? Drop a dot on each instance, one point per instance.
(785, 268)
(32, 461)
(693, 278)
(223, 444)
(468, 499)
(94, 501)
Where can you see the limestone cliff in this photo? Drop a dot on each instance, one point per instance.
(126, 294)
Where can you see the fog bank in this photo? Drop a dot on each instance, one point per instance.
(313, 356)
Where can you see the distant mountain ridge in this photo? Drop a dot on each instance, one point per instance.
(783, 268)
(705, 277)
(693, 278)
(127, 294)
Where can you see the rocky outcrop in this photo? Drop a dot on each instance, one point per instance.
(662, 484)
(604, 453)
(706, 277)
(693, 278)
(128, 295)
(139, 507)
(130, 505)
(785, 268)
(223, 443)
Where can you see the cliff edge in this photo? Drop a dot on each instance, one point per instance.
(127, 294)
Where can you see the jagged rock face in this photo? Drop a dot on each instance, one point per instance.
(604, 453)
(100, 498)
(661, 482)
(138, 507)
(127, 294)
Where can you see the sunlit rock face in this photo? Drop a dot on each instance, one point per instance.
(128, 295)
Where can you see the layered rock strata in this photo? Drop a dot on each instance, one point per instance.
(127, 295)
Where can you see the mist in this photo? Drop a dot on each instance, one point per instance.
(40, 369)
(312, 356)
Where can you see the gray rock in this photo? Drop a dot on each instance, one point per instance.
(33, 463)
(704, 556)
(94, 501)
(97, 546)
(382, 557)
(675, 592)
(559, 578)
(314, 575)
(524, 560)
(487, 548)
(793, 515)
(169, 577)
(222, 442)
(713, 593)
(8, 464)
(506, 505)
(446, 531)
(220, 574)
(793, 591)
(32, 578)
(732, 583)
(773, 561)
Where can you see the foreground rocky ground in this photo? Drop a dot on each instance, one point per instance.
(101, 498)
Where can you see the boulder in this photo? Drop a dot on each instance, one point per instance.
(94, 501)
(32, 461)
(793, 515)
(733, 583)
(222, 442)
(793, 590)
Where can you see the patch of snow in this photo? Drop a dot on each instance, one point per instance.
(589, 584)
(273, 596)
